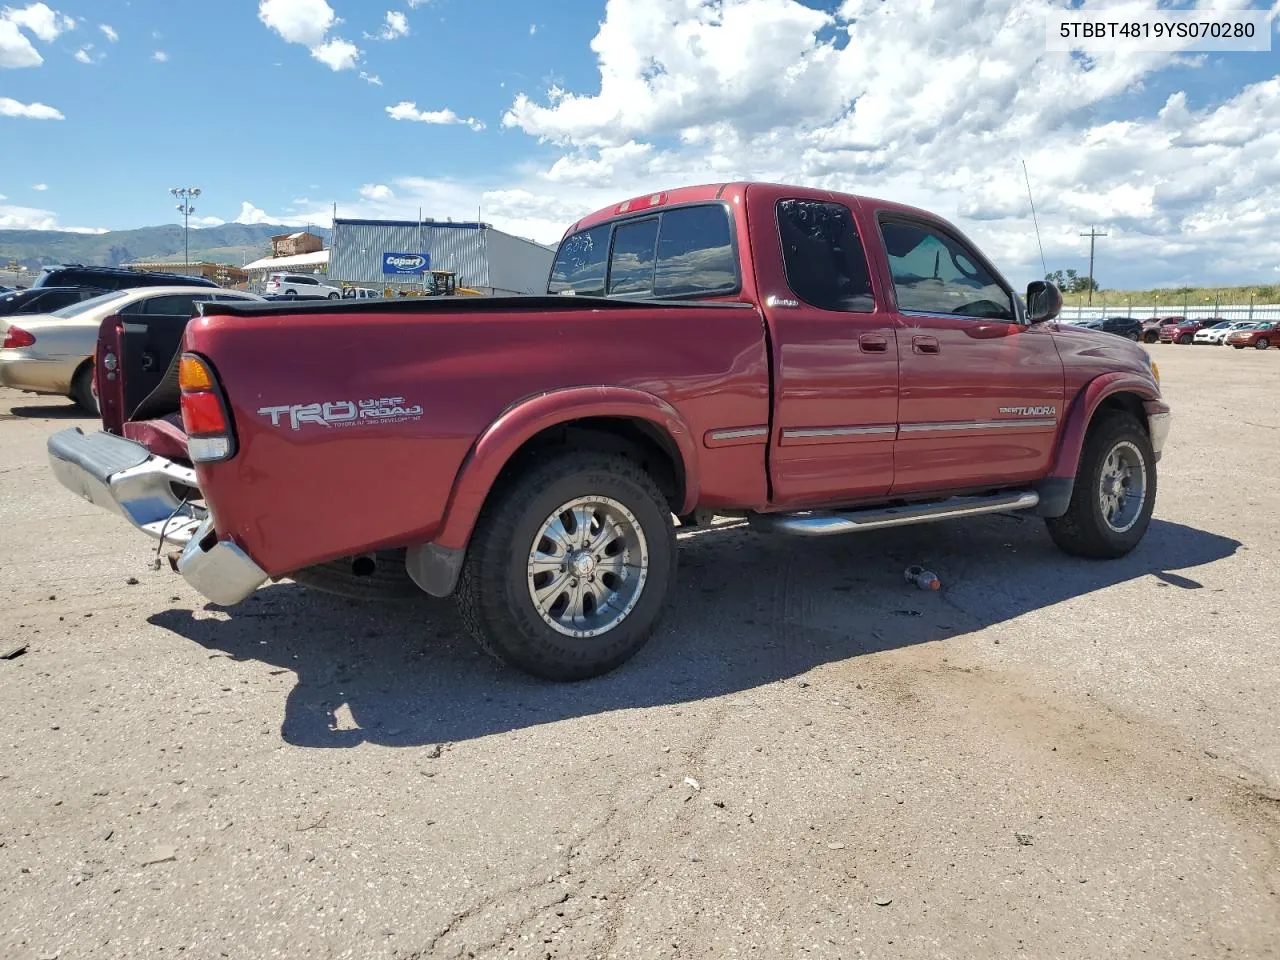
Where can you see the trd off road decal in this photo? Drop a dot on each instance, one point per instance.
(343, 413)
(1029, 411)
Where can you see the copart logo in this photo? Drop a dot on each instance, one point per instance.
(1029, 411)
(406, 261)
(343, 413)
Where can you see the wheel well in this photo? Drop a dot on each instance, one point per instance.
(86, 362)
(646, 444)
(1129, 403)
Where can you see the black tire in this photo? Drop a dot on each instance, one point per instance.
(82, 390)
(1185, 339)
(1238, 346)
(388, 581)
(335, 296)
(1262, 343)
(1083, 530)
(1151, 337)
(1132, 336)
(493, 592)
(291, 293)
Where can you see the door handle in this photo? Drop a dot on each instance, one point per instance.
(873, 343)
(925, 345)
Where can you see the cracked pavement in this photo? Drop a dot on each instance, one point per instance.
(1048, 758)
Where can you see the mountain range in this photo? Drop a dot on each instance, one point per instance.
(233, 243)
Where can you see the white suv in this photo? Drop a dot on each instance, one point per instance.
(299, 284)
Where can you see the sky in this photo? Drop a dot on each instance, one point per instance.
(530, 114)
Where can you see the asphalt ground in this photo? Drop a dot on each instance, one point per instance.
(1047, 758)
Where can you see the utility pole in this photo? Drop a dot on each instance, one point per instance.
(186, 195)
(1093, 235)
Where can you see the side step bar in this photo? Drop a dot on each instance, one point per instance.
(828, 523)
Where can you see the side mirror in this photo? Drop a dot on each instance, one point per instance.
(1044, 301)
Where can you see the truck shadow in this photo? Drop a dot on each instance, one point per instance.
(749, 610)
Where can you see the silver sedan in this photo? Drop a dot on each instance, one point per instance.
(52, 353)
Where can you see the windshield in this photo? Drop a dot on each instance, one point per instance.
(86, 305)
(1219, 326)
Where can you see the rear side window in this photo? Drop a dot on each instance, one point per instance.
(683, 253)
(823, 256)
(172, 305)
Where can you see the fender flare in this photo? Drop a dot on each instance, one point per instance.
(523, 420)
(1085, 405)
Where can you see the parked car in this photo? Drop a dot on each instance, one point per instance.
(43, 299)
(299, 283)
(1126, 327)
(817, 363)
(360, 293)
(1151, 328)
(1217, 334)
(1185, 331)
(53, 353)
(1260, 336)
(113, 278)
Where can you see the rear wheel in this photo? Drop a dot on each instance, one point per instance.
(1150, 337)
(570, 567)
(1262, 343)
(1114, 494)
(1185, 339)
(335, 296)
(82, 391)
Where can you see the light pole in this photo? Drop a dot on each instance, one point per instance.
(186, 195)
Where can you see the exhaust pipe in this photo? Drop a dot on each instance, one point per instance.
(364, 565)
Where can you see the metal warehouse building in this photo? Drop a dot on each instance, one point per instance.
(396, 253)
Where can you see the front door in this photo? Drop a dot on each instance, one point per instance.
(835, 353)
(980, 391)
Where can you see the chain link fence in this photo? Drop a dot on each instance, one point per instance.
(1192, 311)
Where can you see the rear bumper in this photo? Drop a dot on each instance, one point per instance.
(127, 479)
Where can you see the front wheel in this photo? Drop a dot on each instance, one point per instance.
(1114, 493)
(1185, 339)
(1151, 337)
(335, 296)
(1262, 343)
(1133, 337)
(570, 567)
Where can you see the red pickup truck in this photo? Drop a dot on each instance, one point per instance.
(819, 363)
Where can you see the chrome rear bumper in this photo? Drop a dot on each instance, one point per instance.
(126, 478)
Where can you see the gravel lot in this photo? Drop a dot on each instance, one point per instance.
(1049, 758)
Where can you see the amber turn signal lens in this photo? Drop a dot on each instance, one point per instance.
(193, 374)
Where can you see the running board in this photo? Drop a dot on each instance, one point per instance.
(829, 523)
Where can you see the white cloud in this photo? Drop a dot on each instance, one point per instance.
(33, 218)
(371, 78)
(207, 221)
(308, 22)
(160, 57)
(108, 32)
(29, 111)
(337, 54)
(408, 110)
(83, 55)
(40, 19)
(376, 191)
(415, 4)
(691, 91)
(395, 24)
(15, 49)
(249, 214)
(41, 187)
(533, 29)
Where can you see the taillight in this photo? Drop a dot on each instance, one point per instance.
(204, 411)
(17, 337)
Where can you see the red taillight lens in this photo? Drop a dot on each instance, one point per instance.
(204, 413)
(17, 337)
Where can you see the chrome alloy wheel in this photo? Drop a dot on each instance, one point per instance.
(587, 566)
(1122, 488)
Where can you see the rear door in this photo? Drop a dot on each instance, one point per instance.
(981, 391)
(835, 357)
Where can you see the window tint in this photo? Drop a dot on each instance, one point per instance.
(84, 306)
(933, 273)
(823, 256)
(580, 263)
(631, 266)
(172, 305)
(695, 253)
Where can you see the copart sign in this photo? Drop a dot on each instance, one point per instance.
(342, 413)
(405, 264)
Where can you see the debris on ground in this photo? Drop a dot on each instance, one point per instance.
(164, 853)
(1024, 839)
(12, 653)
(922, 578)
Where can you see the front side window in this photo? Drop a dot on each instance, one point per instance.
(934, 273)
(823, 256)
